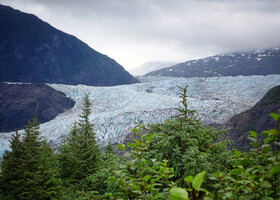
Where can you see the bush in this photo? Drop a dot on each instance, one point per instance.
(188, 146)
(255, 174)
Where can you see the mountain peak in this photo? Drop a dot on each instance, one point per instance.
(262, 62)
(31, 50)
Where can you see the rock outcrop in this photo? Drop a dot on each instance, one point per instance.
(19, 102)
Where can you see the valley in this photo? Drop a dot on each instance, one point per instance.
(139, 100)
(116, 110)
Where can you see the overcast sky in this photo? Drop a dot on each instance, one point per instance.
(136, 31)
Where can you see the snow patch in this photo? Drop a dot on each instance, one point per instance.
(217, 58)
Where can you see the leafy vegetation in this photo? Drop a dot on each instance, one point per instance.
(179, 159)
(254, 174)
(141, 178)
(188, 146)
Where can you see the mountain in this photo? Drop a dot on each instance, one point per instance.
(31, 50)
(19, 102)
(256, 119)
(150, 66)
(234, 64)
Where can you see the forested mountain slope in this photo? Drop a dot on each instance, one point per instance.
(31, 50)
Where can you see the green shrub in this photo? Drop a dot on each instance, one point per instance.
(188, 146)
(141, 178)
(255, 174)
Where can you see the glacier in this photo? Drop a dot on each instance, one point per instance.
(116, 110)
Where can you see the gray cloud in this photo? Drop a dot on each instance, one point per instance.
(136, 31)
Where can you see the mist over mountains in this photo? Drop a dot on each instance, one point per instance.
(149, 67)
(33, 51)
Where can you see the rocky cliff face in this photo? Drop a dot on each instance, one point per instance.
(256, 119)
(19, 102)
(234, 64)
(33, 51)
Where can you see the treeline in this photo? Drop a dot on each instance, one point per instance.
(178, 159)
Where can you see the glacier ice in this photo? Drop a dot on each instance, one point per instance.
(116, 110)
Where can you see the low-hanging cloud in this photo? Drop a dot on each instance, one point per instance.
(135, 31)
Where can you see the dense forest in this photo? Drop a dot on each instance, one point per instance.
(179, 159)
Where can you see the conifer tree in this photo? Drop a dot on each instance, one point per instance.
(109, 149)
(188, 146)
(29, 168)
(79, 155)
(65, 155)
(11, 172)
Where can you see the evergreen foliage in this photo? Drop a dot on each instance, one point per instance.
(28, 171)
(109, 149)
(79, 156)
(178, 159)
(254, 174)
(188, 146)
(11, 173)
(98, 182)
(141, 178)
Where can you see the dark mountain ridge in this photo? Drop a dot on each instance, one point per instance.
(19, 102)
(31, 50)
(263, 62)
(255, 119)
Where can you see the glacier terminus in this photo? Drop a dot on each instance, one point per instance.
(116, 110)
